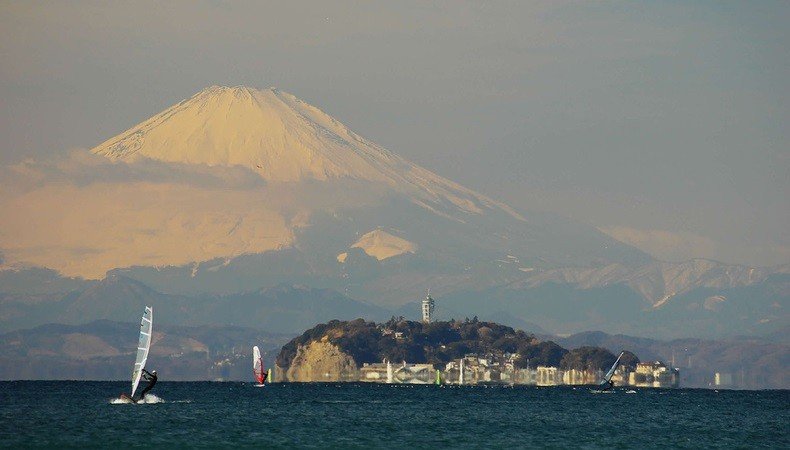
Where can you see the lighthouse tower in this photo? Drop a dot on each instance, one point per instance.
(427, 308)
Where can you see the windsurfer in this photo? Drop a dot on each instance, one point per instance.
(150, 377)
(606, 383)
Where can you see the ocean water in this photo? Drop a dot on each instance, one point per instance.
(209, 414)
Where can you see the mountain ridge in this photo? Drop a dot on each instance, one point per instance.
(281, 308)
(757, 309)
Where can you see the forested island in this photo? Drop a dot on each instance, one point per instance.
(336, 350)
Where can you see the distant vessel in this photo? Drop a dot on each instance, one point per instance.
(257, 366)
(607, 379)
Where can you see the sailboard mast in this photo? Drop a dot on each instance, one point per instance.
(143, 346)
(608, 377)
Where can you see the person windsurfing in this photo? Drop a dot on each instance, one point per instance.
(606, 383)
(258, 371)
(150, 377)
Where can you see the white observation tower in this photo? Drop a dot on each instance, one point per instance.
(427, 308)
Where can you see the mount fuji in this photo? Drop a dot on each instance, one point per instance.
(236, 188)
(347, 198)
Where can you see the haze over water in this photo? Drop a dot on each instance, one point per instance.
(206, 414)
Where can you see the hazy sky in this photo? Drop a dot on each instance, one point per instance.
(662, 123)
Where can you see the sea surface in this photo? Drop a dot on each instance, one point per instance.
(232, 414)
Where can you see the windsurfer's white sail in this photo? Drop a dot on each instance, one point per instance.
(608, 377)
(143, 345)
(257, 365)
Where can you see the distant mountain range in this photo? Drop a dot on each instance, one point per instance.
(548, 307)
(104, 350)
(251, 207)
(280, 309)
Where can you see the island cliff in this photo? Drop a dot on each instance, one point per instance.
(321, 361)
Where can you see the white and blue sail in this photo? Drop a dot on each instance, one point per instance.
(143, 346)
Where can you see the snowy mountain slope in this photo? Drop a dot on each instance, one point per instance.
(657, 282)
(177, 190)
(283, 139)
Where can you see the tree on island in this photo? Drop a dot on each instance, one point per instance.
(546, 353)
(441, 342)
(629, 360)
(588, 358)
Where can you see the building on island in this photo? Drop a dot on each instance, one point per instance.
(427, 308)
(654, 374)
(722, 379)
(548, 376)
(475, 369)
(403, 373)
(502, 368)
(620, 376)
(575, 377)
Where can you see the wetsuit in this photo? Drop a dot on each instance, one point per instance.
(151, 379)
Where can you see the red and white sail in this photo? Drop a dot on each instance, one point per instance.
(257, 365)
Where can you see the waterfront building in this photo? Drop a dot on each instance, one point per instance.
(458, 372)
(620, 376)
(654, 374)
(581, 377)
(722, 379)
(375, 372)
(414, 374)
(548, 376)
(404, 373)
(500, 369)
(525, 376)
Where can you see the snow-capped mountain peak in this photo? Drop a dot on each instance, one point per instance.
(283, 139)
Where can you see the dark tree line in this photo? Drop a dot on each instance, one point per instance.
(438, 343)
(595, 358)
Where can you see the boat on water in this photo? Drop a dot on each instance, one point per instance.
(258, 370)
(606, 383)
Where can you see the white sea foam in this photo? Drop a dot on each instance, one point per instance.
(149, 399)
